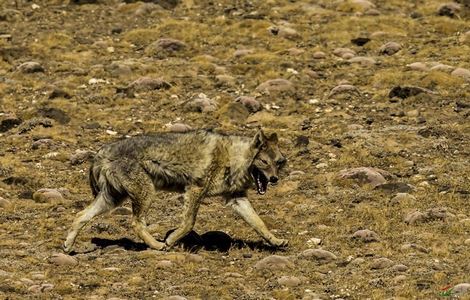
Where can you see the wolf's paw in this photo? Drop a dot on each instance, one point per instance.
(67, 247)
(280, 242)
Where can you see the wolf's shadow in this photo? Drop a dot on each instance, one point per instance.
(193, 242)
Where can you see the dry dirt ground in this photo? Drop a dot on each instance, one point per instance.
(379, 84)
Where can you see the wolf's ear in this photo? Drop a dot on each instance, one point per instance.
(259, 140)
(273, 138)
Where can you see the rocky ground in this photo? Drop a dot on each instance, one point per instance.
(372, 103)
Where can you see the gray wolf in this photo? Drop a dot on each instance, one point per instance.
(199, 163)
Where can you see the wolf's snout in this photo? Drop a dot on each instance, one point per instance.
(273, 179)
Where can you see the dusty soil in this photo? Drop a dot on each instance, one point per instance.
(67, 84)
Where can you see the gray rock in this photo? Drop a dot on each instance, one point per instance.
(179, 127)
(414, 217)
(363, 60)
(345, 53)
(201, 103)
(414, 246)
(61, 259)
(30, 67)
(402, 198)
(318, 255)
(250, 103)
(194, 258)
(48, 196)
(225, 80)
(146, 8)
(4, 203)
(56, 114)
(400, 268)
(390, 48)
(450, 9)
(81, 156)
(364, 4)
(344, 89)
(243, 52)
(366, 175)
(284, 31)
(176, 297)
(289, 281)
(417, 66)
(118, 68)
(381, 263)
(462, 73)
(438, 213)
(443, 68)
(319, 55)
(465, 37)
(357, 261)
(274, 262)
(164, 264)
(393, 187)
(461, 289)
(365, 235)
(276, 85)
(59, 93)
(164, 47)
(145, 84)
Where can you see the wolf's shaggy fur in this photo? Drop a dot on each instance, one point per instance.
(201, 163)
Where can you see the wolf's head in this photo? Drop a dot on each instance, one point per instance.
(267, 162)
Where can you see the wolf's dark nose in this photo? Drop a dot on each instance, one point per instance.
(273, 179)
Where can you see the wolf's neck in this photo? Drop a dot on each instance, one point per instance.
(240, 153)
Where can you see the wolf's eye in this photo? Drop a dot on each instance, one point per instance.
(264, 161)
(281, 162)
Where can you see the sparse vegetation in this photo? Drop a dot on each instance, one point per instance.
(92, 52)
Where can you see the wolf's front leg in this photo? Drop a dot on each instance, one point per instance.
(192, 200)
(243, 207)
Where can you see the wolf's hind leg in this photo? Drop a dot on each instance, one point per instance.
(99, 206)
(192, 201)
(142, 192)
(242, 207)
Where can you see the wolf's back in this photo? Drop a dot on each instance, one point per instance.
(176, 159)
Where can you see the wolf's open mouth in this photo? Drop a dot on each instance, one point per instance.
(260, 180)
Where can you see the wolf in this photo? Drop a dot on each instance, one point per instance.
(200, 163)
